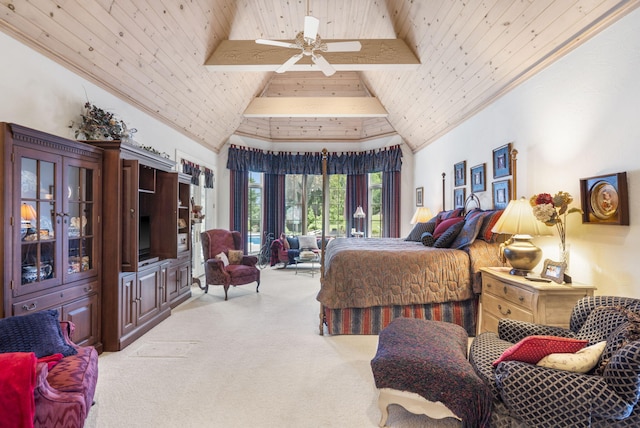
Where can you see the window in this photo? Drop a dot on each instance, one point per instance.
(337, 196)
(255, 212)
(375, 205)
(303, 204)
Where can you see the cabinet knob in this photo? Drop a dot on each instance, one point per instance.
(505, 313)
(521, 298)
(31, 307)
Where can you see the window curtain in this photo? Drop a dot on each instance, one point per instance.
(391, 204)
(273, 215)
(208, 178)
(239, 205)
(357, 195)
(193, 170)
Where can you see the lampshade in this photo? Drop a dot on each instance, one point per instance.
(359, 213)
(27, 212)
(518, 220)
(422, 215)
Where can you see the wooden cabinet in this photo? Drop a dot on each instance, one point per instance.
(143, 200)
(52, 232)
(513, 297)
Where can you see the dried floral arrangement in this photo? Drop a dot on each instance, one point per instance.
(98, 124)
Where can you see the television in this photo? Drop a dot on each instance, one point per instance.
(144, 237)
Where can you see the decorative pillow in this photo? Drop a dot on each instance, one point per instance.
(531, 349)
(445, 240)
(446, 224)
(468, 233)
(427, 239)
(39, 333)
(421, 228)
(235, 257)
(443, 215)
(579, 362)
(308, 242)
(224, 258)
(489, 220)
(294, 244)
(285, 242)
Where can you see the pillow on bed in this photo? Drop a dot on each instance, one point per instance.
(468, 233)
(444, 225)
(490, 220)
(421, 228)
(443, 215)
(427, 239)
(445, 240)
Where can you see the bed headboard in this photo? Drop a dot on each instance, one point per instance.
(472, 202)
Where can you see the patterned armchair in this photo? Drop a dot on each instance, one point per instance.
(526, 395)
(225, 270)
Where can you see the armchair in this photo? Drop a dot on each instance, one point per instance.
(224, 270)
(530, 395)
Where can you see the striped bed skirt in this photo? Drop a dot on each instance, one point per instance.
(372, 320)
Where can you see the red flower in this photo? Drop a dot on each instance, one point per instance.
(544, 198)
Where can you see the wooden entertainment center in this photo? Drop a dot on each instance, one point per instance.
(99, 230)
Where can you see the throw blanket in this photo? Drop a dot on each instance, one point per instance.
(429, 359)
(17, 382)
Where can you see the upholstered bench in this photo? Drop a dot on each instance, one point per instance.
(423, 367)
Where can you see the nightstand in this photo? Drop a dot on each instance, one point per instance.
(513, 297)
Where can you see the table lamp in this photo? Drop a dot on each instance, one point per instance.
(518, 220)
(27, 214)
(359, 213)
(422, 215)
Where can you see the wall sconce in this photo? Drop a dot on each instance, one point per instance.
(518, 220)
(422, 215)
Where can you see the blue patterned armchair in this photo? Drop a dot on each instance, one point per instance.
(526, 395)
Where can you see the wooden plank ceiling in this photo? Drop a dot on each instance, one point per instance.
(152, 53)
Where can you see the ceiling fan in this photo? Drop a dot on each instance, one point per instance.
(309, 42)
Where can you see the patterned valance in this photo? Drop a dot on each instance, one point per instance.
(194, 170)
(247, 159)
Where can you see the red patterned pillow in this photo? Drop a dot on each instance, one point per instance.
(446, 224)
(490, 220)
(533, 348)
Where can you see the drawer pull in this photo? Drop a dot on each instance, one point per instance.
(507, 313)
(505, 289)
(521, 298)
(31, 307)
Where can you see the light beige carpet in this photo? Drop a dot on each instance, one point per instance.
(256, 360)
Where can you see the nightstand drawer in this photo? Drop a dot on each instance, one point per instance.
(508, 292)
(501, 308)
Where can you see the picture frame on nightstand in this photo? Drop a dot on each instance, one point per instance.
(555, 271)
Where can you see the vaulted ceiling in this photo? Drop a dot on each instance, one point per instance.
(152, 54)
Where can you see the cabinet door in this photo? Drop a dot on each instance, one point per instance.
(172, 281)
(39, 212)
(149, 282)
(128, 304)
(166, 270)
(185, 278)
(81, 246)
(84, 313)
(129, 254)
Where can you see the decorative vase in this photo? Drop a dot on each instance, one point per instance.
(565, 254)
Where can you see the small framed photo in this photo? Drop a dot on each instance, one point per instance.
(419, 196)
(605, 199)
(502, 161)
(478, 183)
(553, 271)
(501, 194)
(460, 170)
(459, 196)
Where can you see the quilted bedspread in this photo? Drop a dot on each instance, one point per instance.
(361, 273)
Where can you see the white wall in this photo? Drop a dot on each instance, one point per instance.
(38, 93)
(578, 118)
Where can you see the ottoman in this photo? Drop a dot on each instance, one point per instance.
(422, 366)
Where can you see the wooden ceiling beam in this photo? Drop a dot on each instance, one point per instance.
(376, 54)
(315, 107)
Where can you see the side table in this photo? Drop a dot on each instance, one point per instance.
(514, 297)
(313, 260)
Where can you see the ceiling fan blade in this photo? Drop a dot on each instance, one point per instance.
(311, 25)
(276, 43)
(289, 63)
(354, 46)
(323, 65)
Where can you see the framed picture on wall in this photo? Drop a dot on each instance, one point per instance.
(419, 196)
(460, 173)
(605, 199)
(501, 194)
(502, 161)
(478, 182)
(459, 195)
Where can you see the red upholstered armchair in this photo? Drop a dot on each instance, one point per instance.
(232, 271)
